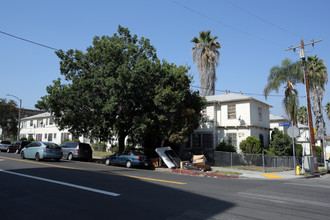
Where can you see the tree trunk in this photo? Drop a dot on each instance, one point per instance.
(121, 140)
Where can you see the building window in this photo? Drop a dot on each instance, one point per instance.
(39, 123)
(38, 137)
(232, 139)
(202, 141)
(54, 135)
(51, 121)
(45, 136)
(31, 123)
(207, 140)
(50, 137)
(231, 111)
(260, 113)
(261, 138)
(65, 136)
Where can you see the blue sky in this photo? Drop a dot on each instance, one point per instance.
(253, 35)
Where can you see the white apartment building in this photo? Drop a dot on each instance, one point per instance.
(42, 127)
(233, 118)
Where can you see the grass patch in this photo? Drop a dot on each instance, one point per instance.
(228, 173)
(100, 154)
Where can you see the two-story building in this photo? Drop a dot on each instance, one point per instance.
(41, 127)
(233, 118)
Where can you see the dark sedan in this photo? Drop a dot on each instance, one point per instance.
(128, 158)
(17, 146)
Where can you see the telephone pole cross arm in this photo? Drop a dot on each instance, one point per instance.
(310, 120)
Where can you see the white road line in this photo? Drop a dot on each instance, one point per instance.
(281, 199)
(63, 183)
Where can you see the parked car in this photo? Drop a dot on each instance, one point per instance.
(17, 146)
(76, 150)
(128, 158)
(4, 145)
(42, 150)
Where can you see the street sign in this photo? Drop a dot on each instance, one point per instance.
(285, 124)
(293, 131)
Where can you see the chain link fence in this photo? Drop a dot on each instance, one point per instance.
(258, 162)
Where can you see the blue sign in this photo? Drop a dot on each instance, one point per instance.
(285, 124)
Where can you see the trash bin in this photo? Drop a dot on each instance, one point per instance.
(298, 169)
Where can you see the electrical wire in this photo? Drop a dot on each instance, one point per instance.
(33, 42)
(246, 93)
(260, 18)
(226, 25)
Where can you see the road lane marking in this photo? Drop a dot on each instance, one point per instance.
(282, 199)
(102, 172)
(273, 176)
(62, 183)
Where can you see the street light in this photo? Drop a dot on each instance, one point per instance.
(19, 115)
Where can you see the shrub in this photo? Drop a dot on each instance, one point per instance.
(223, 146)
(23, 139)
(251, 145)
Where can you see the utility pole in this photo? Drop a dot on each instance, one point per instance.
(310, 120)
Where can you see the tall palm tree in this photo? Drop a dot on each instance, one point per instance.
(327, 109)
(302, 115)
(317, 78)
(288, 74)
(205, 53)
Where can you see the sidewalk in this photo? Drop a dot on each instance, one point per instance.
(244, 173)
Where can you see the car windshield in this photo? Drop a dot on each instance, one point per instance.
(137, 153)
(51, 145)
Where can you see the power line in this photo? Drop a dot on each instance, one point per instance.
(246, 93)
(260, 18)
(223, 24)
(33, 42)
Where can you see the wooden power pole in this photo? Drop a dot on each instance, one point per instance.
(310, 120)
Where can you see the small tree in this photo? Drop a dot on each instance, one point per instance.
(251, 145)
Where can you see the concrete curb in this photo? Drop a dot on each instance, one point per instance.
(199, 173)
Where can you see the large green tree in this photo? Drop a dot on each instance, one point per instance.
(119, 88)
(206, 54)
(286, 75)
(8, 118)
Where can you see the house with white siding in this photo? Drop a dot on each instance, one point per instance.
(233, 118)
(42, 127)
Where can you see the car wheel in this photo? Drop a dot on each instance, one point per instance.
(8, 151)
(128, 164)
(37, 157)
(22, 155)
(70, 156)
(108, 161)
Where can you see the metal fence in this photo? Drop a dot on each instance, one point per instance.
(259, 162)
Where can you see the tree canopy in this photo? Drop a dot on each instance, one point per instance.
(8, 118)
(119, 88)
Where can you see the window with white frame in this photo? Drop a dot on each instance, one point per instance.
(45, 136)
(231, 111)
(31, 123)
(260, 113)
(38, 137)
(50, 137)
(232, 139)
(54, 135)
(51, 121)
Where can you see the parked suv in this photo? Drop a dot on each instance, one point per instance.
(4, 145)
(17, 146)
(76, 150)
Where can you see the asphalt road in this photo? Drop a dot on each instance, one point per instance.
(81, 190)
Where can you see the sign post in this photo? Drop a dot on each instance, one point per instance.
(293, 132)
